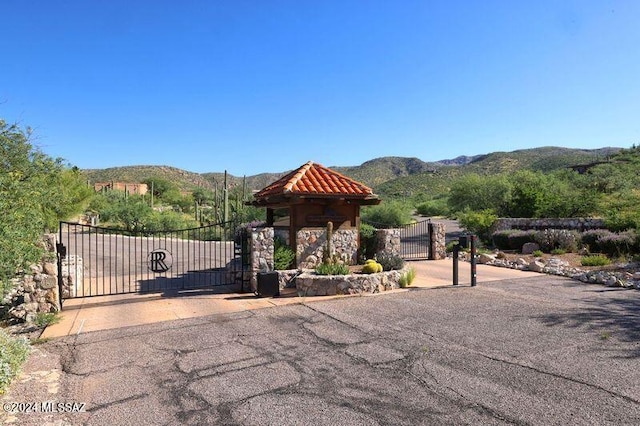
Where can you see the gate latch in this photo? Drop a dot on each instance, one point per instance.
(62, 250)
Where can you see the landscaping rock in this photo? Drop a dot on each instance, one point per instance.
(536, 266)
(611, 282)
(529, 248)
(484, 258)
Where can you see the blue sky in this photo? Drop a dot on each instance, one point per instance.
(264, 86)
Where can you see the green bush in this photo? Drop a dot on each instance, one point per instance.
(500, 239)
(616, 245)
(519, 238)
(13, 353)
(368, 241)
(558, 252)
(537, 253)
(590, 238)
(595, 260)
(283, 255)
(433, 208)
(332, 269)
(36, 192)
(551, 239)
(478, 222)
(390, 262)
(388, 215)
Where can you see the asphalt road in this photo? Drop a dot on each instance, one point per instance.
(541, 350)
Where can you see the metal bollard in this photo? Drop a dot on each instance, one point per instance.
(473, 261)
(456, 252)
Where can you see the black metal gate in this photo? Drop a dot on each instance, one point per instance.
(415, 241)
(96, 261)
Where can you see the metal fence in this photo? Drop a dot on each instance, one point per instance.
(415, 241)
(95, 261)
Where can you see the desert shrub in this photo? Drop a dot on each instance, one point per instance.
(13, 353)
(388, 215)
(537, 253)
(368, 241)
(478, 222)
(595, 260)
(283, 255)
(558, 251)
(551, 239)
(590, 238)
(501, 239)
(617, 244)
(332, 269)
(449, 246)
(433, 208)
(518, 238)
(390, 262)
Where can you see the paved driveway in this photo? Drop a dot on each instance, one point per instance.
(540, 350)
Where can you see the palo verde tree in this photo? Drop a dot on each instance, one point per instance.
(36, 191)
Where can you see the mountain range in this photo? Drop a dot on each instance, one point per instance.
(388, 176)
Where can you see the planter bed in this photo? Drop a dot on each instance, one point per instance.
(310, 284)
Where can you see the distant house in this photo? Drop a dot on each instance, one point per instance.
(131, 188)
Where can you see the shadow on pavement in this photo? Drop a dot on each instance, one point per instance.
(619, 316)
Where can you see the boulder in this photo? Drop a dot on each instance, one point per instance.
(529, 248)
(536, 266)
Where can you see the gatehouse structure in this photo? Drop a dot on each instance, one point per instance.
(300, 204)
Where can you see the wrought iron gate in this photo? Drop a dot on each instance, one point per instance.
(96, 261)
(415, 241)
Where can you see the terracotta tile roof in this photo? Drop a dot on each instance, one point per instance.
(315, 179)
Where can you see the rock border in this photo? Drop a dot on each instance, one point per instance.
(555, 266)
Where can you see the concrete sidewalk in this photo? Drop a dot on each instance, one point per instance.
(109, 312)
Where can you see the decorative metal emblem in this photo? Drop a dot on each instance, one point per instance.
(160, 260)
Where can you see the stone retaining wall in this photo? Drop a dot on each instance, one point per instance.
(37, 290)
(576, 223)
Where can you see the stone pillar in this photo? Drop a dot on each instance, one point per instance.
(261, 246)
(388, 242)
(437, 244)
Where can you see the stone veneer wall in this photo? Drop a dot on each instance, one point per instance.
(388, 242)
(577, 223)
(36, 291)
(311, 243)
(309, 284)
(261, 247)
(438, 244)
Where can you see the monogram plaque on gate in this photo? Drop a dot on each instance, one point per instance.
(160, 260)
